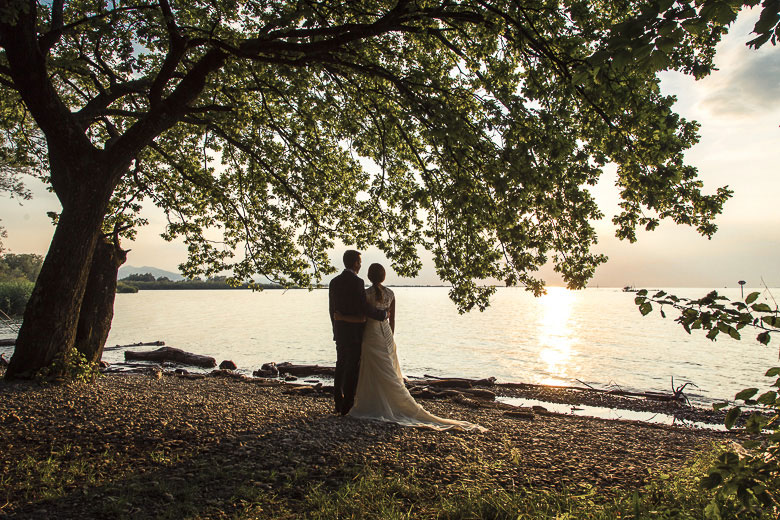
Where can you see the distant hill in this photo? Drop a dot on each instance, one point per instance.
(127, 270)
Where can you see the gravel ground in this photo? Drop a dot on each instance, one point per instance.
(219, 434)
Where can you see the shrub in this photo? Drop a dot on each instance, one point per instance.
(122, 287)
(746, 482)
(14, 295)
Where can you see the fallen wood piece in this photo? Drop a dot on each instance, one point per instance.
(299, 390)
(305, 370)
(140, 344)
(478, 392)
(172, 354)
(221, 372)
(447, 383)
(520, 415)
(7, 342)
(657, 396)
(488, 381)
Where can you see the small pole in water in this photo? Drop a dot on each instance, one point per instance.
(742, 288)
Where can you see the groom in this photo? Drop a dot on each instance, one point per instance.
(347, 295)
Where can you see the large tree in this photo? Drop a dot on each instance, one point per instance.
(267, 130)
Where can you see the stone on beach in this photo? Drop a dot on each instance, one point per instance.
(227, 365)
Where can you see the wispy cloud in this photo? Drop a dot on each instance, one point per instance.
(748, 80)
(747, 87)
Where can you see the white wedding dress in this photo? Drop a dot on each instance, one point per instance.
(381, 394)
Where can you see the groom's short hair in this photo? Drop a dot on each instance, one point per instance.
(350, 258)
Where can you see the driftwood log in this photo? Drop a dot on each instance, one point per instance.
(7, 342)
(463, 384)
(656, 396)
(140, 344)
(455, 382)
(305, 370)
(172, 354)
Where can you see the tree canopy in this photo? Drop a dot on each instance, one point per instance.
(268, 130)
(485, 121)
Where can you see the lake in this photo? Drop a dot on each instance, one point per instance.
(594, 336)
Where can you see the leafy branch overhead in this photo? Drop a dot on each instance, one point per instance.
(268, 131)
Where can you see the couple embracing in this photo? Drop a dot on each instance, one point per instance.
(368, 381)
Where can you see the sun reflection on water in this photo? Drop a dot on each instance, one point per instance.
(556, 338)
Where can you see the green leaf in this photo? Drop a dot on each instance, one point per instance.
(732, 416)
(763, 338)
(768, 398)
(694, 26)
(746, 394)
(719, 406)
(641, 292)
(666, 45)
(772, 321)
(749, 445)
(761, 307)
(639, 300)
(711, 481)
(773, 372)
(752, 297)
(646, 308)
(659, 294)
(712, 334)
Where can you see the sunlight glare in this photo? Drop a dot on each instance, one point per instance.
(556, 337)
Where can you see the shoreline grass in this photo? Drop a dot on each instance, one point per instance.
(363, 492)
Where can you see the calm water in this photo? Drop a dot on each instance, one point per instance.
(596, 336)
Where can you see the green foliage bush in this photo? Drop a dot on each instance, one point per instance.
(14, 295)
(20, 267)
(122, 287)
(745, 481)
(70, 366)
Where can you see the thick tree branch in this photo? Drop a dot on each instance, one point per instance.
(177, 48)
(97, 106)
(168, 112)
(28, 69)
(50, 38)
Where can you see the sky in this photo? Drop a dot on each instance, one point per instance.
(738, 108)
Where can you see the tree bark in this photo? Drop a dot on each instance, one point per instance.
(52, 314)
(97, 306)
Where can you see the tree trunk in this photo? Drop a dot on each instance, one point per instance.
(97, 307)
(52, 314)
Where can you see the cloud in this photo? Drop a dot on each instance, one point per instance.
(748, 80)
(747, 88)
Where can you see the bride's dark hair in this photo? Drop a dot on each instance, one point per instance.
(376, 274)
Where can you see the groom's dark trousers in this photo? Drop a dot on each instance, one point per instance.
(347, 295)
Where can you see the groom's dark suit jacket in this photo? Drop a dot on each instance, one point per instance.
(347, 295)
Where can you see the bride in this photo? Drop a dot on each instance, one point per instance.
(381, 393)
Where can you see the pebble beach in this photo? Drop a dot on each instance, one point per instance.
(142, 440)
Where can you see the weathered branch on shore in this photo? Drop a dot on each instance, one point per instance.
(453, 382)
(172, 354)
(7, 342)
(658, 396)
(305, 370)
(139, 344)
